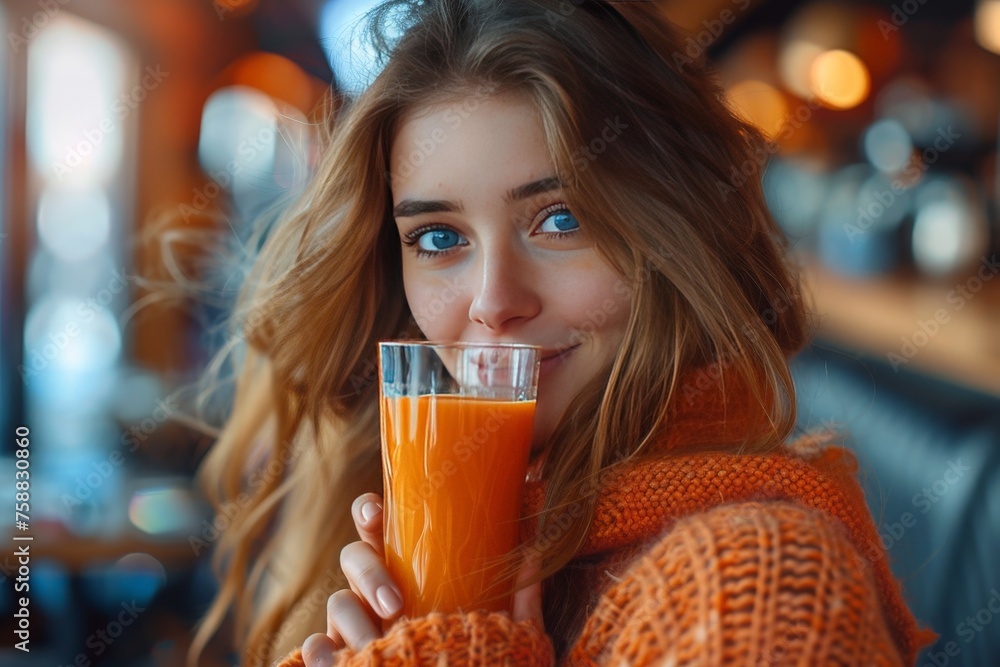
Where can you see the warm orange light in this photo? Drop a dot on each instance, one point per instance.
(276, 76)
(988, 25)
(759, 103)
(795, 63)
(839, 79)
(812, 29)
(234, 8)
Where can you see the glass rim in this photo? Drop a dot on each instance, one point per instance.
(458, 344)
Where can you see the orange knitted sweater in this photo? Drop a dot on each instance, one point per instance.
(701, 558)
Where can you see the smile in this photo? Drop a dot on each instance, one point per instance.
(551, 360)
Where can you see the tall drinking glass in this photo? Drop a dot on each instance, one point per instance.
(456, 422)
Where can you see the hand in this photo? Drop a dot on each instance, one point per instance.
(353, 617)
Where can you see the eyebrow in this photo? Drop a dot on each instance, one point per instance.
(412, 207)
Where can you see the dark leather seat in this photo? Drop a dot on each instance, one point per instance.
(929, 455)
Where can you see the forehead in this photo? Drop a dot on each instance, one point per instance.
(469, 141)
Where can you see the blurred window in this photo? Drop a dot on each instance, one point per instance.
(82, 99)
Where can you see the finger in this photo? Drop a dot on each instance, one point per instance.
(318, 650)
(345, 615)
(528, 600)
(366, 572)
(367, 513)
(331, 629)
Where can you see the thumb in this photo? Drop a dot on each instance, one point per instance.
(528, 600)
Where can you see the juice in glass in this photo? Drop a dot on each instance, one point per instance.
(454, 470)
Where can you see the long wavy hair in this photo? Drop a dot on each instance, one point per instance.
(702, 259)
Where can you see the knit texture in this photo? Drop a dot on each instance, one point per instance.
(745, 584)
(702, 558)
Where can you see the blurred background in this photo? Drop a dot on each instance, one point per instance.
(125, 126)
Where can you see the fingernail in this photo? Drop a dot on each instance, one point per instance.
(315, 652)
(369, 510)
(389, 599)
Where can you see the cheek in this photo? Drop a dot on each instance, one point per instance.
(436, 307)
(618, 305)
(601, 304)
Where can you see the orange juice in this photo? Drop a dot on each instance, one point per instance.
(454, 471)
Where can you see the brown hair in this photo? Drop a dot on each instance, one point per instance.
(700, 258)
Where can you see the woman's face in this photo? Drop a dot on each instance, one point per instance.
(491, 253)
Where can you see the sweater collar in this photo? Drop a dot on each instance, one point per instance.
(695, 467)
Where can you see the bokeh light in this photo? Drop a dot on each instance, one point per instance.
(795, 192)
(759, 103)
(274, 75)
(74, 224)
(888, 145)
(145, 573)
(814, 29)
(988, 25)
(238, 136)
(70, 335)
(949, 232)
(839, 79)
(795, 64)
(75, 109)
(163, 510)
(135, 578)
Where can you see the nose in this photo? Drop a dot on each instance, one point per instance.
(506, 292)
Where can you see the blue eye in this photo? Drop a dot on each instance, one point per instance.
(438, 239)
(559, 221)
(434, 240)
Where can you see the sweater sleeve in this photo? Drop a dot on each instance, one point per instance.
(458, 640)
(770, 583)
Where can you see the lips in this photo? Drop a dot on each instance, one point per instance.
(550, 357)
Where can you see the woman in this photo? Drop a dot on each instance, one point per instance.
(558, 174)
